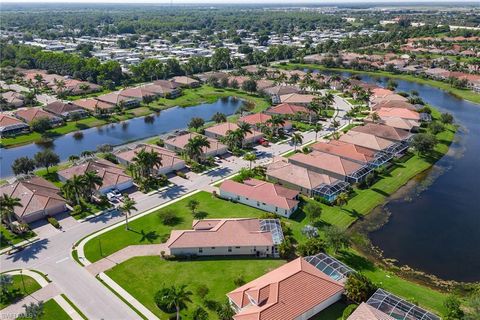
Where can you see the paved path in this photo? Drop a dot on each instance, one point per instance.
(51, 253)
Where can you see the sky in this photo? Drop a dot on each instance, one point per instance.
(290, 2)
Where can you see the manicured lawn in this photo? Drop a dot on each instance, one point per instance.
(142, 277)
(52, 311)
(19, 290)
(462, 93)
(334, 312)
(7, 238)
(208, 94)
(149, 229)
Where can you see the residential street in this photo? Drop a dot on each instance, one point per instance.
(51, 253)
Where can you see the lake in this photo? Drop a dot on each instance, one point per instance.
(119, 133)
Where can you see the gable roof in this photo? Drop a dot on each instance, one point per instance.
(35, 194)
(398, 112)
(113, 98)
(181, 141)
(221, 233)
(110, 173)
(284, 293)
(366, 140)
(298, 175)
(383, 131)
(262, 191)
(30, 114)
(137, 92)
(93, 104)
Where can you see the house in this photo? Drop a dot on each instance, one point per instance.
(112, 175)
(221, 130)
(117, 99)
(95, 106)
(384, 131)
(138, 93)
(373, 142)
(296, 98)
(262, 195)
(228, 237)
(396, 122)
(13, 99)
(296, 290)
(171, 89)
(204, 77)
(277, 91)
(66, 110)
(170, 160)
(258, 119)
(352, 152)
(290, 111)
(238, 79)
(399, 113)
(367, 312)
(392, 104)
(307, 182)
(263, 84)
(32, 114)
(39, 199)
(332, 165)
(187, 82)
(392, 97)
(11, 126)
(75, 87)
(178, 144)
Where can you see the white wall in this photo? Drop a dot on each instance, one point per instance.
(223, 251)
(325, 304)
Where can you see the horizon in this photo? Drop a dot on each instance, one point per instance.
(249, 2)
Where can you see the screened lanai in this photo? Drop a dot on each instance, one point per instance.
(273, 225)
(359, 174)
(330, 191)
(396, 148)
(330, 266)
(398, 308)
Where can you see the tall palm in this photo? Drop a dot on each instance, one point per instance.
(7, 207)
(313, 107)
(342, 199)
(91, 181)
(375, 117)
(244, 128)
(234, 139)
(317, 127)
(74, 188)
(195, 145)
(126, 208)
(142, 160)
(178, 297)
(250, 157)
(276, 121)
(297, 139)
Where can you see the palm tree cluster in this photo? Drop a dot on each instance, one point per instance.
(194, 147)
(234, 139)
(7, 207)
(144, 163)
(80, 188)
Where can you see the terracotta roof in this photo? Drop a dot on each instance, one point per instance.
(155, 89)
(59, 107)
(223, 233)
(288, 109)
(327, 162)
(367, 312)
(390, 97)
(183, 80)
(345, 150)
(35, 194)
(8, 121)
(398, 112)
(400, 123)
(93, 104)
(262, 191)
(181, 141)
(113, 98)
(281, 90)
(221, 129)
(263, 84)
(383, 131)
(30, 114)
(366, 140)
(255, 118)
(393, 104)
(240, 79)
(284, 293)
(298, 175)
(169, 158)
(138, 92)
(380, 92)
(167, 84)
(297, 98)
(108, 171)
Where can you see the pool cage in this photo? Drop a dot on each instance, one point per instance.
(274, 226)
(330, 191)
(396, 148)
(380, 159)
(333, 268)
(398, 308)
(359, 174)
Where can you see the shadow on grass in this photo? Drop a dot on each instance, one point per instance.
(150, 236)
(353, 213)
(383, 193)
(355, 261)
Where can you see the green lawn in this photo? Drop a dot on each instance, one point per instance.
(7, 238)
(142, 277)
(19, 290)
(52, 311)
(149, 228)
(462, 93)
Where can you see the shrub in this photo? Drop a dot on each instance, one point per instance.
(348, 311)
(168, 217)
(311, 246)
(161, 301)
(239, 281)
(54, 222)
(200, 314)
(181, 174)
(358, 288)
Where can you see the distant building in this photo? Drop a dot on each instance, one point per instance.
(66, 110)
(32, 114)
(11, 126)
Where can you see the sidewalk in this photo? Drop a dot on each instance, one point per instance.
(48, 291)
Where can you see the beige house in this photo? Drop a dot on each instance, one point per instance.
(221, 130)
(178, 144)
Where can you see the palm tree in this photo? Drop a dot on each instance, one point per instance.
(234, 139)
(317, 127)
(74, 188)
(375, 117)
(7, 207)
(127, 207)
(297, 139)
(342, 199)
(251, 157)
(178, 297)
(147, 161)
(193, 149)
(276, 121)
(91, 181)
(244, 128)
(313, 108)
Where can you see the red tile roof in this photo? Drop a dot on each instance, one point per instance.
(221, 129)
(284, 293)
(345, 150)
(93, 104)
(398, 112)
(262, 191)
(221, 233)
(367, 312)
(327, 162)
(366, 140)
(169, 158)
(383, 131)
(30, 114)
(181, 141)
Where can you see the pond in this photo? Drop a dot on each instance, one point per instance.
(436, 226)
(120, 133)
